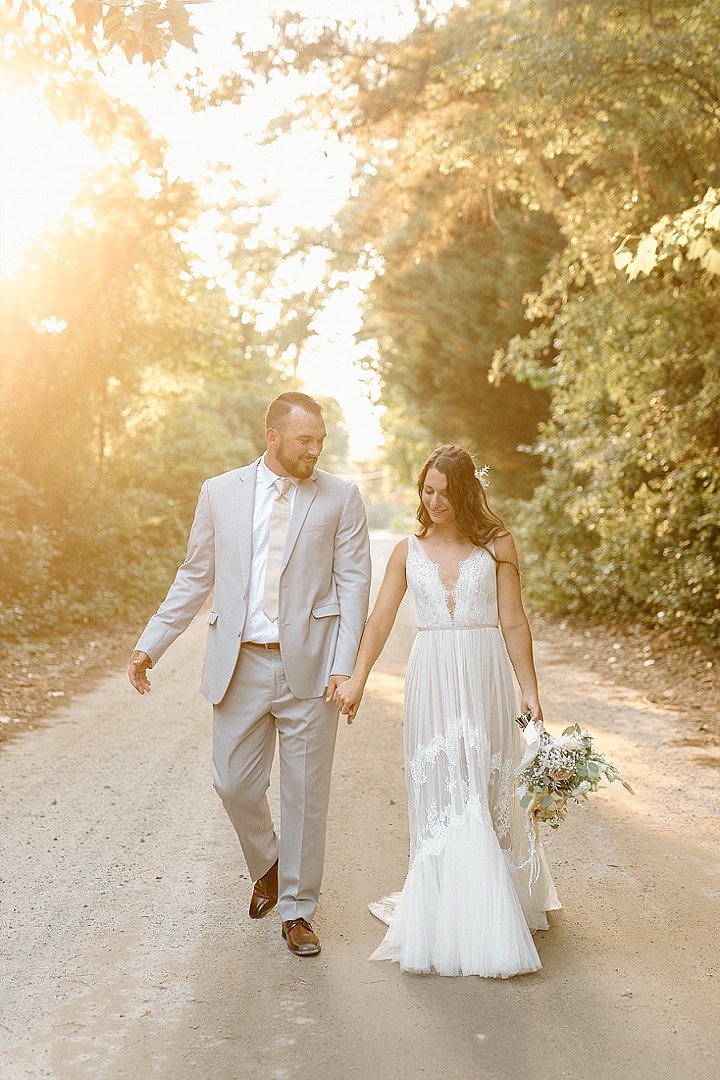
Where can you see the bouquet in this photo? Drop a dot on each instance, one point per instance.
(556, 769)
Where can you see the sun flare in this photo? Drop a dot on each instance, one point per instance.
(41, 165)
(307, 174)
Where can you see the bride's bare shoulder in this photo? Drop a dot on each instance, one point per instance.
(504, 546)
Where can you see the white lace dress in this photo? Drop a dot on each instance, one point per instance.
(471, 897)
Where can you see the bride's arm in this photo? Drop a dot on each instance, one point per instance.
(377, 630)
(514, 624)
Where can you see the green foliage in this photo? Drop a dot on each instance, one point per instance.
(83, 560)
(627, 521)
(510, 157)
(604, 118)
(406, 443)
(438, 314)
(126, 378)
(692, 236)
(27, 549)
(81, 319)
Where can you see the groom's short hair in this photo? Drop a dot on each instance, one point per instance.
(285, 403)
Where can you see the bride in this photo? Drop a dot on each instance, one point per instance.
(477, 885)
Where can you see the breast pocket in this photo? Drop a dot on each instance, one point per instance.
(317, 543)
(320, 527)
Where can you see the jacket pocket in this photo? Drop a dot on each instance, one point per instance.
(322, 611)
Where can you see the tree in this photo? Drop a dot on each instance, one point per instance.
(625, 524)
(440, 311)
(127, 374)
(91, 304)
(605, 117)
(61, 31)
(693, 235)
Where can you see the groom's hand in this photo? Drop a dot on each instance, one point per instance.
(347, 706)
(137, 672)
(334, 682)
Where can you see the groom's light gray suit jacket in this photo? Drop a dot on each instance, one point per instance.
(324, 585)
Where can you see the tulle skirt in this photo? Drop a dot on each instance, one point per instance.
(478, 884)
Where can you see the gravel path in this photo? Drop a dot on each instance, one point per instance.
(126, 951)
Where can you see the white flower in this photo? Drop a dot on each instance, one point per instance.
(572, 742)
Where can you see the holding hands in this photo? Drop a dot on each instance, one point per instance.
(348, 695)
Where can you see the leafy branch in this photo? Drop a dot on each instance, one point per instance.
(145, 28)
(691, 236)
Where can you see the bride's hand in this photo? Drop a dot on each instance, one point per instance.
(532, 705)
(348, 696)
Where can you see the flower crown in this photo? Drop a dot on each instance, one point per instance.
(483, 475)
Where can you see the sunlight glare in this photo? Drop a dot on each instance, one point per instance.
(305, 175)
(41, 164)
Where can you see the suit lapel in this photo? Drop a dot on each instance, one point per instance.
(245, 506)
(304, 497)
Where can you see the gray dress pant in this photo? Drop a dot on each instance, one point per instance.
(258, 712)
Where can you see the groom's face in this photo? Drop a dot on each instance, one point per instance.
(293, 449)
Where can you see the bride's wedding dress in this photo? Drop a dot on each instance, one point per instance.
(477, 883)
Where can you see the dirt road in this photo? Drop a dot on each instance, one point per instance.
(126, 951)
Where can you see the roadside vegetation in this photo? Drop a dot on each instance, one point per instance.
(536, 227)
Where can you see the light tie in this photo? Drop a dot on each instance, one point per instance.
(279, 521)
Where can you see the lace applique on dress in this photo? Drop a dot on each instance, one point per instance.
(475, 593)
(466, 906)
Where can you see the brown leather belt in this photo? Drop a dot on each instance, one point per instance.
(269, 646)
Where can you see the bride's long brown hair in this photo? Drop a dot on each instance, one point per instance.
(465, 493)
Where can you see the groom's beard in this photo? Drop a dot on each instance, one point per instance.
(301, 467)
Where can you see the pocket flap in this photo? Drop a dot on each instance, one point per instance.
(324, 610)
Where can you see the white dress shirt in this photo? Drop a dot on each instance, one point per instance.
(257, 625)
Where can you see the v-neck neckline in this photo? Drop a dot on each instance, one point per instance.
(449, 594)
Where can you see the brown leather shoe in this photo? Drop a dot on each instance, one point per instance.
(265, 893)
(301, 938)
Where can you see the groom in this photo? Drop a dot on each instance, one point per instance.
(290, 572)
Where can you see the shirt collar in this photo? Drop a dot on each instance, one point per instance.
(267, 477)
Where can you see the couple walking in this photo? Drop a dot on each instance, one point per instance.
(283, 547)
